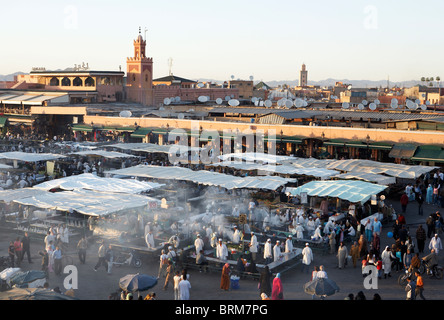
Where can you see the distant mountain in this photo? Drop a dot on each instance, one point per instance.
(9, 77)
(331, 82)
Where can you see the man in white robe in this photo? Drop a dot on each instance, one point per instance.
(307, 258)
(236, 235)
(221, 251)
(149, 239)
(198, 244)
(253, 246)
(277, 254)
(299, 231)
(310, 226)
(289, 244)
(268, 252)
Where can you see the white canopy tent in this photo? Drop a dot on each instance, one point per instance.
(103, 153)
(13, 194)
(364, 166)
(90, 181)
(371, 177)
(87, 202)
(203, 177)
(29, 157)
(255, 157)
(350, 190)
(279, 169)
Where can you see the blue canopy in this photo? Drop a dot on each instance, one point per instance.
(137, 282)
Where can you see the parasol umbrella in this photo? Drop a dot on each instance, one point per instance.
(24, 278)
(137, 282)
(321, 287)
(33, 294)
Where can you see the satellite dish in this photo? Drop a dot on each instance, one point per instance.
(233, 102)
(180, 116)
(125, 114)
(161, 108)
(409, 104)
(177, 99)
(254, 99)
(417, 101)
(251, 78)
(377, 102)
(364, 102)
(227, 98)
(428, 102)
(203, 99)
(166, 101)
(268, 103)
(289, 103)
(394, 101)
(299, 103)
(372, 106)
(349, 87)
(200, 85)
(219, 101)
(361, 106)
(345, 105)
(394, 105)
(232, 77)
(423, 107)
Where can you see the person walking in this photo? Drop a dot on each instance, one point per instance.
(11, 253)
(18, 251)
(265, 281)
(163, 264)
(225, 277)
(184, 288)
(307, 258)
(82, 245)
(404, 202)
(26, 247)
(101, 255)
(45, 262)
(386, 258)
(277, 292)
(354, 252)
(57, 254)
(332, 242)
(420, 201)
(410, 289)
(342, 255)
(253, 246)
(435, 243)
(268, 252)
(109, 259)
(176, 281)
(419, 291)
(169, 274)
(420, 238)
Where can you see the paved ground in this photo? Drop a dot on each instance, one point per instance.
(98, 285)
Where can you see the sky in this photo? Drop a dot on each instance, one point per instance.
(269, 40)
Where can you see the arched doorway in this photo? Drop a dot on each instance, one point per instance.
(54, 82)
(66, 82)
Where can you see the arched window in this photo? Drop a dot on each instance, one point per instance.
(77, 82)
(54, 82)
(66, 82)
(89, 82)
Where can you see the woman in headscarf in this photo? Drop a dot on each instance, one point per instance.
(265, 281)
(225, 278)
(277, 291)
(429, 194)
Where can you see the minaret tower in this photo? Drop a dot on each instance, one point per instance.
(139, 74)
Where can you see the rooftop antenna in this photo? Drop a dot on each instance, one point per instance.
(170, 65)
(145, 33)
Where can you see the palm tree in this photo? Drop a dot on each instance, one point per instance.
(423, 79)
(438, 79)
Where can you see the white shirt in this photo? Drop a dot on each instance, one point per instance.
(268, 250)
(307, 255)
(236, 236)
(321, 274)
(288, 245)
(276, 252)
(221, 251)
(199, 244)
(184, 289)
(253, 244)
(435, 243)
(149, 239)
